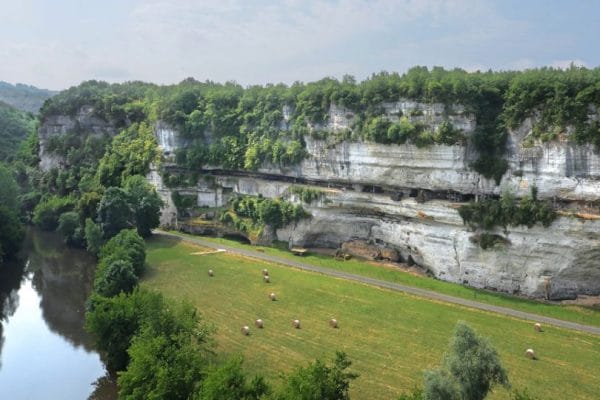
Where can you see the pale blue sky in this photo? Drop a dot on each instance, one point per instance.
(58, 43)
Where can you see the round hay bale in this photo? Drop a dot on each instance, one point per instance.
(266, 278)
(265, 272)
(333, 323)
(211, 273)
(530, 354)
(537, 327)
(296, 323)
(245, 330)
(273, 297)
(259, 323)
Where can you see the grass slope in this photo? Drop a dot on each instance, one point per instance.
(583, 315)
(390, 336)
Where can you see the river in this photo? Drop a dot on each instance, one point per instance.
(45, 352)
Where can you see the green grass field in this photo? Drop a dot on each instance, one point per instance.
(391, 337)
(583, 315)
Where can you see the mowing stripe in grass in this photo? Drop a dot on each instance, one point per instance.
(395, 286)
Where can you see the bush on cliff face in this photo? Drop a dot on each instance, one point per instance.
(506, 211)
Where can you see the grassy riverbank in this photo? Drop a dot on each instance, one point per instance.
(573, 313)
(390, 336)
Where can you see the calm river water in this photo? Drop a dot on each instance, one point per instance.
(44, 351)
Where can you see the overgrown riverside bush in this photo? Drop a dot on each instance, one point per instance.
(69, 228)
(48, 211)
(506, 211)
(121, 264)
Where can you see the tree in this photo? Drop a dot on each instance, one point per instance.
(8, 189)
(145, 203)
(93, 236)
(114, 278)
(126, 245)
(68, 226)
(168, 356)
(48, 211)
(11, 233)
(114, 212)
(228, 382)
(319, 381)
(113, 321)
(469, 370)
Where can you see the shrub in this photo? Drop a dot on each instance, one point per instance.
(48, 211)
(93, 237)
(319, 381)
(68, 226)
(115, 277)
(126, 245)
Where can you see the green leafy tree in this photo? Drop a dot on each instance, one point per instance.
(114, 212)
(87, 205)
(126, 245)
(469, 370)
(168, 356)
(145, 203)
(93, 236)
(11, 233)
(131, 153)
(68, 226)
(113, 322)
(229, 382)
(8, 189)
(319, 381)
(116, 277)
(48, 211)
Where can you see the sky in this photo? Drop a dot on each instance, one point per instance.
(56, 44)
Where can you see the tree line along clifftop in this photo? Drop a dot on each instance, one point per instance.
(239, 127)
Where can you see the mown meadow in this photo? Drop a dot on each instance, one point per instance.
(390, 337)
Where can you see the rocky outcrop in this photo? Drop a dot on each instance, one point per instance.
(83, 123)
(558, 262)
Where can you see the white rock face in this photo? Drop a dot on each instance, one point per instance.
(168, 216)
(558, 169)
(556, 262)
(167, 138)
(85, 122)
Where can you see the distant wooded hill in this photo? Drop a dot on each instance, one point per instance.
(24, 97)
(15, 125)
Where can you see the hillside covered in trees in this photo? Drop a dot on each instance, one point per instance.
(26, 98)
(240, 128)
(15, 125)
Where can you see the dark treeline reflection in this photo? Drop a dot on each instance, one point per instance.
(11, 275)
(63, 278)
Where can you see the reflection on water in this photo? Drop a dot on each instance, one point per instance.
(42, 306)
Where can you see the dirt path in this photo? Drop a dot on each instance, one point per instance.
(389, 285)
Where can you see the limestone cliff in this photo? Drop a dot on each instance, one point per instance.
(371, 192)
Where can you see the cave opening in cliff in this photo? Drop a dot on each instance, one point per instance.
(238, 238)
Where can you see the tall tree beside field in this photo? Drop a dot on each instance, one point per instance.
(469, 370)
